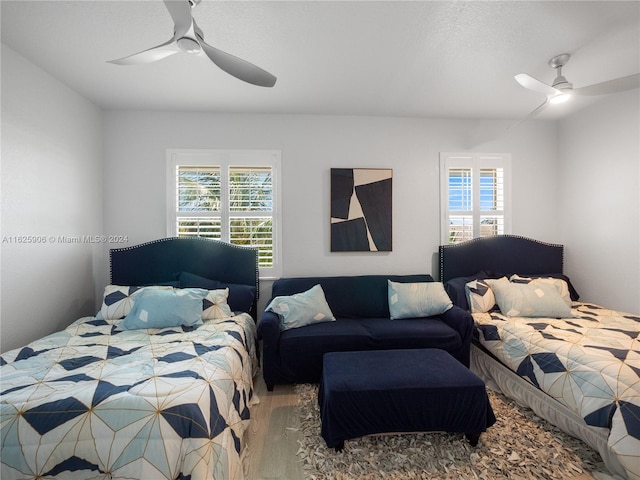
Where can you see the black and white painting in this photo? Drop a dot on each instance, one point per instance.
(361, 209)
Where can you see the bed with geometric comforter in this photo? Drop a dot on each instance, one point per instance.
(589, 363)
(93, 401)
(156, 386)
(579, 370)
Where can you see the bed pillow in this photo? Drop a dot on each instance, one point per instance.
(416, 300)
(119, 299)
(302, 309)
(455, 288)
(241, 297)
(156, 308)
(560, 284)
(529, 300)
(215, 306)
(480, 297)
(573, 294)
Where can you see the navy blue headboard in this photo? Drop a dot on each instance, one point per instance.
(503, 254)
(161, 260)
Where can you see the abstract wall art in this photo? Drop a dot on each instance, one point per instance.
(361, 209)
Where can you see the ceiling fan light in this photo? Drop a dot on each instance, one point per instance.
(188, 45)
(560, 97)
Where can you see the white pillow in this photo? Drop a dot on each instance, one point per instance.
(529, 300)
(215, 306)
(480, 296)
(560, 284)
(302, 309)
(415, 300)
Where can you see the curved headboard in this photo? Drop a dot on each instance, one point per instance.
(502, 253)
(161, 260)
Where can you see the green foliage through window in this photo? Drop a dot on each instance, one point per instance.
(200, 203)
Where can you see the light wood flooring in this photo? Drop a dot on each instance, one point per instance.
(272, 437)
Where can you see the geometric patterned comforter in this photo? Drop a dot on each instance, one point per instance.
(590, 363)
(96, 402)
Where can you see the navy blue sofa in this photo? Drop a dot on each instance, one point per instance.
(360, 305)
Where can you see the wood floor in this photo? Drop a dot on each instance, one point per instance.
(272, 437)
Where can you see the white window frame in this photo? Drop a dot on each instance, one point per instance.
(475, 162)
(225, 159)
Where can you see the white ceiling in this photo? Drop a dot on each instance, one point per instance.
(414, 58)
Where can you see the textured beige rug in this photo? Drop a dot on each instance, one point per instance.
(518, 446)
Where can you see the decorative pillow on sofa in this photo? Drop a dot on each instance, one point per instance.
(302, 309)
(118, 300)
(479, 295)
(560, 284)
(155, 308)
(529, 300)
(413, 300)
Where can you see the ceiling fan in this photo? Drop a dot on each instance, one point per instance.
(188, 38)
(562, 90)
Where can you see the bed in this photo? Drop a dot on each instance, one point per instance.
(579, 371)
(145, 396)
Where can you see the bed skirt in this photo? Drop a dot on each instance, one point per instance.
(499, 378)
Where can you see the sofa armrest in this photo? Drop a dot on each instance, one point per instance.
(269, 333)
(460, 320)
(269, 326)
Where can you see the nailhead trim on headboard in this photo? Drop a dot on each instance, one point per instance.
(469, 244)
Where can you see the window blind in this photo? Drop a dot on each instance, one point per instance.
(473, 195)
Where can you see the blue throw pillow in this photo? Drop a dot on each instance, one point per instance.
(415, 300)
(302, 309)
(165, 308)
(119, 300)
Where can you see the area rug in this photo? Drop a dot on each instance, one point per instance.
(518, 446)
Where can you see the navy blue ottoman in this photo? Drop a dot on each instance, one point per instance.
(382, 391)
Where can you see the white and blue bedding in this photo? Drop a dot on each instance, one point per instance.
(94, 401)
(590, 363)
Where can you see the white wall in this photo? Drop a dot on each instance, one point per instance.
(136, 143)
(54, 184)
(51, 186)
(599, 200)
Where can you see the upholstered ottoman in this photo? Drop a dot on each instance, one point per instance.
(378, 391)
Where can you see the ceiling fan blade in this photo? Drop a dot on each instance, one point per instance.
(533, 113)
(180, 11)
(610, 86)
(150, 55)
(527, 81)
(237, 67)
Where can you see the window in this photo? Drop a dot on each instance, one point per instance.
(474, 195)
(230, 195)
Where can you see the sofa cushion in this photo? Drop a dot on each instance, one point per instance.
(411, 333)
(349, 296)
(301, 349)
